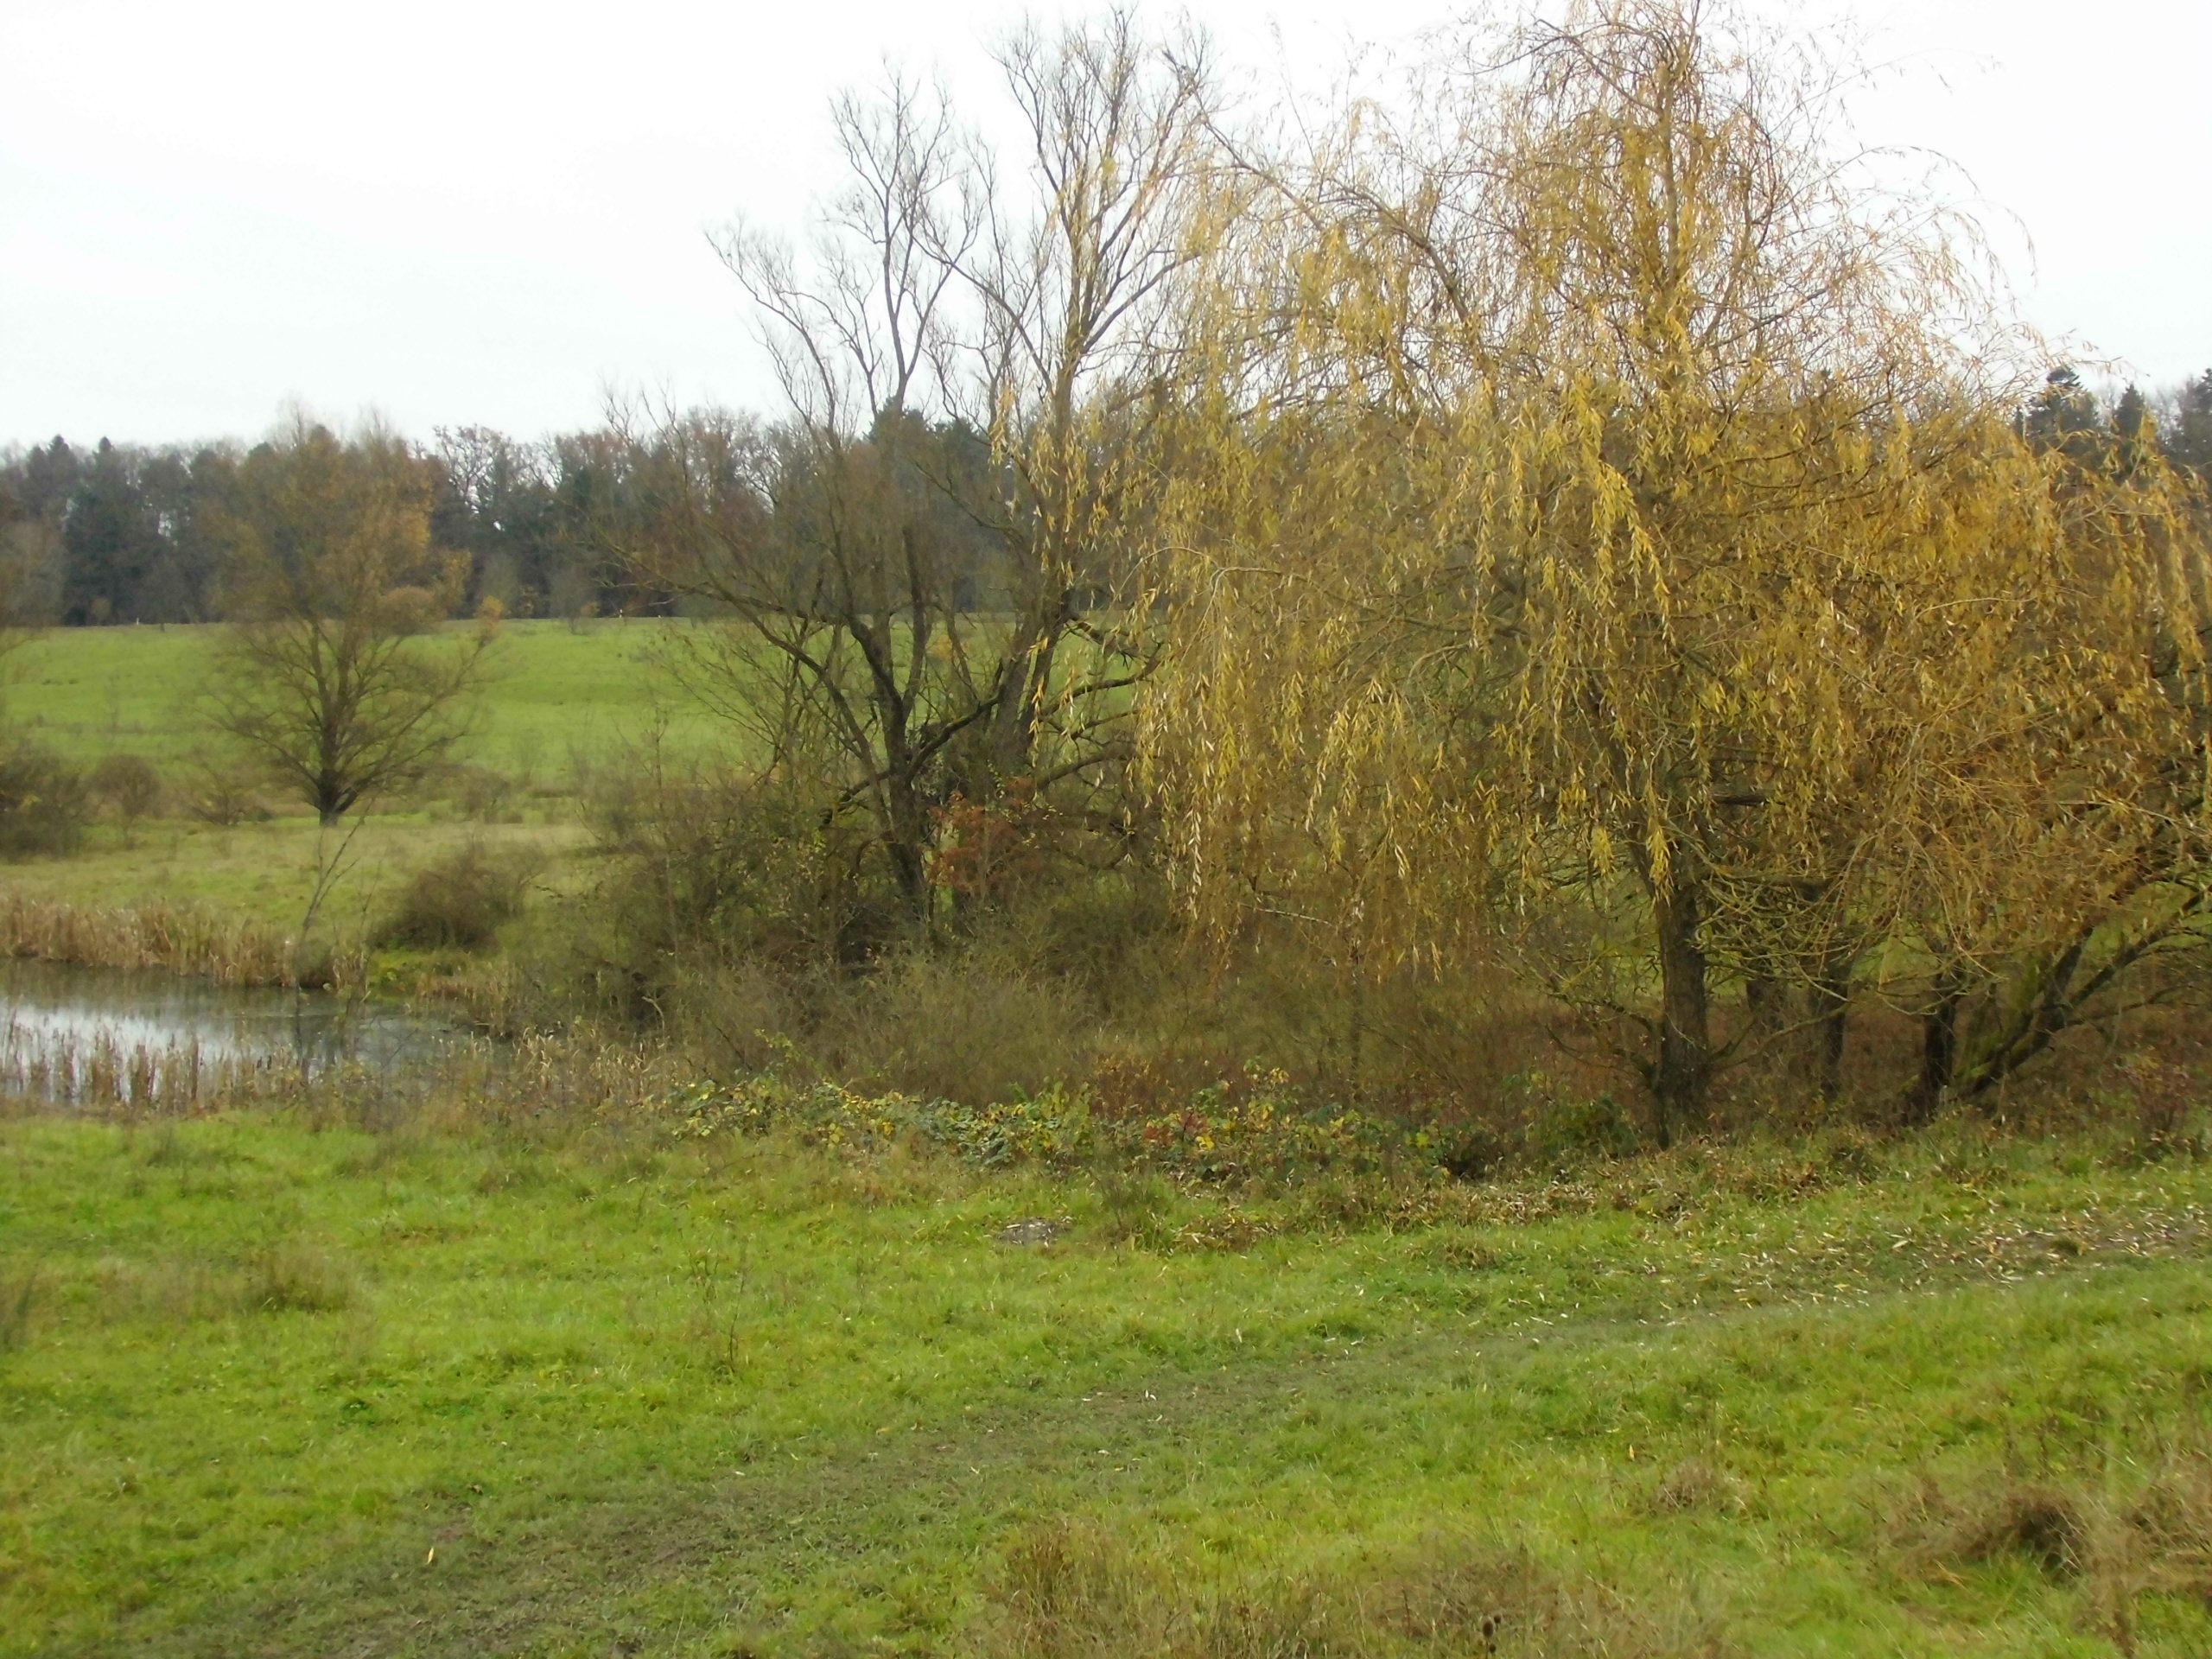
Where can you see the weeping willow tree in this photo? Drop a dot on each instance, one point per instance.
(2046, 829)
(1600, 514)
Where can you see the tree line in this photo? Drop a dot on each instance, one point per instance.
(122, 533)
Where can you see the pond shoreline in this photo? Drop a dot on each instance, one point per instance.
(77, 1035)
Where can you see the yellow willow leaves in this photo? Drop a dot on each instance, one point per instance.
(1604, 481)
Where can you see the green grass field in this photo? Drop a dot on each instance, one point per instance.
(553, 689)
(274, 1389)
(556, 696)
(272, 1386)
(263, 873)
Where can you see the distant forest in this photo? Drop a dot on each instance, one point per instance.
(565, 526)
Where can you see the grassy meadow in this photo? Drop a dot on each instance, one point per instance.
(553, 690)
(275, 1386)
(531, 1368)
(559, 699)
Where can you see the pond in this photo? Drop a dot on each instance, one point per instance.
(90, 1035)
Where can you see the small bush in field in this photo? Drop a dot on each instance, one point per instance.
(459, 903)
(218, 790)
(127, 785)
(723, 865)
(480, 793)
(44, 803)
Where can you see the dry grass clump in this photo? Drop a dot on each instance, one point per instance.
(288, 1276)
(1069, 1590)
(292, 1278)
(2039, 1523)
(1696, 1485)
(2168, 1528)
(99, 1073)
(18, 1290)
(2118, 1545)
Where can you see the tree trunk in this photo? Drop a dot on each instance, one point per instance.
(1832, 997)
(1939, 1049)
(906, 840)
(1684, 1071)
(1765, 1010)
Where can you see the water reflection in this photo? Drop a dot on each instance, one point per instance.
(83, 1034)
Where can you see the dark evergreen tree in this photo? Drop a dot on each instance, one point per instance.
(2189, 439)
(112, 540)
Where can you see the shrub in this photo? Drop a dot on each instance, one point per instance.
(44, 803)
(1054, 1128)
(1259, 1133)
(1265, 1132)
(1560, 1128)
(218, 790)
(718, 867)
(459, 903)
(958, 1023)
(480, 793)
(127, 785)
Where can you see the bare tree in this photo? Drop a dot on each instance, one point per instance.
(331, 676)
(905, 553)
(1075, 339)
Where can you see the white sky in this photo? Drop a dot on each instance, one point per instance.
(455, 211)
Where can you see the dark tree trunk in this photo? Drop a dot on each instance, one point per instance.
(1683, 1072)
(1765, 1007)
(1939, 1050)
(1831, 999)
(906, 842)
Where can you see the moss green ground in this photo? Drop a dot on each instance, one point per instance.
(288, 1390)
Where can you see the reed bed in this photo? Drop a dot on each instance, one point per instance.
(102, 1071)
(463, 1078)
(175, 939)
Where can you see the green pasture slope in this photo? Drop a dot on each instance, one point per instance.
(555, 695)
(277, 1388)
(553, 688)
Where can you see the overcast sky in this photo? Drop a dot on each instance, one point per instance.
(474, 211)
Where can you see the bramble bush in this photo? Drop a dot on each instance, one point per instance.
(43, 803)
(1267, 1132)
(1262, 1133)
(1052, 1128)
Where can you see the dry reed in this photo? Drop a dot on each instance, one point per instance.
(175, 939)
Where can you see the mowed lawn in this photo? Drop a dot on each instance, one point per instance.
(275, 1389)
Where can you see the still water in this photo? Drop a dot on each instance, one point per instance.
(72, 1033)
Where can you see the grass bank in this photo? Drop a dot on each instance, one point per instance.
(279, 1388)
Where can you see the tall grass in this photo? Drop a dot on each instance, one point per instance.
(176, 939)
(571, 1076)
